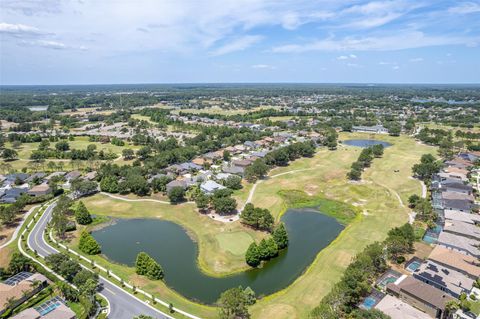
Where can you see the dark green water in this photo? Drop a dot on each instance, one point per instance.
(309, 232)
(365, 143)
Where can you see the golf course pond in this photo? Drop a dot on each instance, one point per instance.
(365, 143)
(169, 244)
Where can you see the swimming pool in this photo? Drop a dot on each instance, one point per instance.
(414, 265)
(369, 302)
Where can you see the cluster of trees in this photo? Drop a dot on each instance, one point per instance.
(267, 248)
(221, 201)
(423, 208)
(234, 303)
(147, 266)
(85, 281)
(281, 156)
(428, 166)
(257, 218)
(88, 244)
(360, 275)
(364, 160)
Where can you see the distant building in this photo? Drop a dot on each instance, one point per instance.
(377, 129)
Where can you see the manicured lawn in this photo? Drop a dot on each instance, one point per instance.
(236, 243)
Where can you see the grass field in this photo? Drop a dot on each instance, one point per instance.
(379, 198)
(80, 142)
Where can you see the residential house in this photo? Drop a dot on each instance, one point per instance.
(446, 279)
(456, 187)
(39, 190)
(467, 265)
(176, 183)
(54, 308)
(209, 187)
(397, 309)
(236, 170)
(452, 216)
(90, 176)
(456, 195)
(460, 205)
(17, 176)
(20, 288)
(459, 243)
(70, 176)
(421, 296)
(11, 195)
(462, 229)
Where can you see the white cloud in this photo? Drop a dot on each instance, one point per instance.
(400, 41)
(377, 13)
(238, 44)
(19, 30)
(396, 67)
(263, 66)
(49, 44)
(416, 60)
(465, 8)
(346, 57)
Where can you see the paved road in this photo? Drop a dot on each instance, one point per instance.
(15, 233)
(122, 304)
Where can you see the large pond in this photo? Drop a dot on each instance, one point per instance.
(365, 143)
(309, 232)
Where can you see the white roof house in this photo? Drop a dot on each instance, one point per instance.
(210, 186)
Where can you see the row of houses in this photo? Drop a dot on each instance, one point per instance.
(17, 184)
(427, 286)
(210, 170)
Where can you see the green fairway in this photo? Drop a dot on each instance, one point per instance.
(236, 243)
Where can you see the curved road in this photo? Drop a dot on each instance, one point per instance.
(122, 304)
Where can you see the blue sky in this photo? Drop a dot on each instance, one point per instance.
(167, 41)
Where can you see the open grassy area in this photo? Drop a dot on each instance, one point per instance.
(80, 142)
(379, 200)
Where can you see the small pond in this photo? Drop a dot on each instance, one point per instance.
(309, 232)
(365, 143)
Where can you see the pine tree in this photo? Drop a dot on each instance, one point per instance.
(141, 263)
(263, 250)
(272, 248)
(155, 271)
(252, 256)
(88, 244)
(82, 215)
(280, 236)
